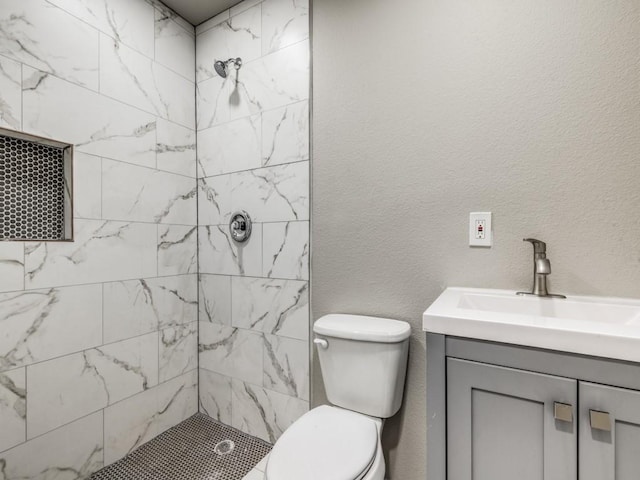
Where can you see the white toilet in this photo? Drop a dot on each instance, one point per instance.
(363, 362)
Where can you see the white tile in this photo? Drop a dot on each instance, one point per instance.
(177, 400)
(215, 204)
(270, 194)
(93, 123)
(273, 194)
(273, 81)
(176, 148)
(67, 388)
(139, 194)
(215, 299)
(175, 48)
(279, 307)
(231, 351)
(10, 94)
(285, 134)
(219, 254)
(215, 395)
(87, 186)
(131, 22)
(11, 266)
(13, 408)
(286, 250)
(140, 306)
(237, 37)
(212, 22)
(129, 310)
(177, 249)
(129, 424)
(45, 37)
(175, 299)
(77, 448)
(264, 413)
(286, 366)
(134, 79)
(241, 151)
(212, 103)
(102, 251)
(178, 350)
(136, 420)
(284, 22)
(37, 325)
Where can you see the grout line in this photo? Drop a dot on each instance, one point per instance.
(198, 296)
(102, 312)
(155, 169)
(22, 96)
(135, 279)
(104, 436)
(129, 222)
(75, 285)
(26, 406)
(160, 170)
(262, 167)
(99, 60)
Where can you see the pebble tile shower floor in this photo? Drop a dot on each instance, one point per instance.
(197, 449)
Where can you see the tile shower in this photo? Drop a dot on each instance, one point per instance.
(100, 345)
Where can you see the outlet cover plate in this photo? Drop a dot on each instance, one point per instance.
(480, 229)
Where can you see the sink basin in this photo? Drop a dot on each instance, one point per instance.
(599, 326)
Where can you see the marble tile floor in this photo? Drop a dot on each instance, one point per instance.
(197, 449)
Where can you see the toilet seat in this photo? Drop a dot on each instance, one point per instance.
(325, 443)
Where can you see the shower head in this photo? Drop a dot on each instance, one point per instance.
(221, 67)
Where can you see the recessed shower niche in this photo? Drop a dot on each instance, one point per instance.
(35, 188)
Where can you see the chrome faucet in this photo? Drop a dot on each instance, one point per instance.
(541, 268)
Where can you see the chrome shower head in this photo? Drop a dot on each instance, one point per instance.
(221, 67)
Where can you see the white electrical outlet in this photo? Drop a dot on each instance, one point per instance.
(480, 232)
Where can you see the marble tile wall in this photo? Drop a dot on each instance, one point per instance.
(98, 342)
(253, 154)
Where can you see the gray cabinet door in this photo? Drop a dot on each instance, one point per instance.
(501, 425)
(609, 433)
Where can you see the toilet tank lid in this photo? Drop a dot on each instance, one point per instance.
(360, 327)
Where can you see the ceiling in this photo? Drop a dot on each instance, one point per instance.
(197, 11)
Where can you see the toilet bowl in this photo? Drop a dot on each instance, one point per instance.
(363, 362)
(329, 443)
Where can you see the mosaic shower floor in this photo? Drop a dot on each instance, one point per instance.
(197, 449)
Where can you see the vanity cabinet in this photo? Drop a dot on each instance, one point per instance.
(501, 425)
(504, 412)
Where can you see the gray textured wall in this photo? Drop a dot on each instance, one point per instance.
(426, 110)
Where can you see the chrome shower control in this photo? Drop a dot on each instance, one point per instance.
(240, 226)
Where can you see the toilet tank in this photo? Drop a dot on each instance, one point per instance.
(363, 362)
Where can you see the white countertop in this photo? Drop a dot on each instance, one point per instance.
(599, 326)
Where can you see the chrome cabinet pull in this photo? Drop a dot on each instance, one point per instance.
(600, 420)
(563, 412)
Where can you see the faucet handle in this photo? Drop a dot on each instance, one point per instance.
(543, 266)
(538, 245)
